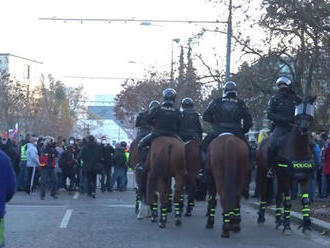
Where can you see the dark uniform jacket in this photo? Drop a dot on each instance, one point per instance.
(164, 119)
(190, 125)
(281, 107)
(226, 115)
(142, 124)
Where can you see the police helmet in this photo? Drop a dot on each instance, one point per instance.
(283, 81)
(169, 95)
(153, 104)
(230, 89)
(187, 103)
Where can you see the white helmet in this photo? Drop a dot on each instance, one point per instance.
(283, 80)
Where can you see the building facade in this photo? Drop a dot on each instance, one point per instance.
(103, 122)
(26, 71)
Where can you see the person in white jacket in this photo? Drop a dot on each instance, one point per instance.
(32, 162)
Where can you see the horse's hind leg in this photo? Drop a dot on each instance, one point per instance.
(137, 200)
(169, 199)
(279, 208)
(190, 200)
(287, 205)
(212, 203)
(163, 205)
(178, 199)
(305, 201)
(262, 174)
(154, 209)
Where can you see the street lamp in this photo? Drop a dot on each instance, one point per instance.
(176, 40)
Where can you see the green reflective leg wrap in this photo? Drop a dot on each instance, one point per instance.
(237, 212)
(305, 210)
(262, 206)
(212, 212)
(154, 207)
(191, 204)
(226, 217)
(2, 232)
(278, 212)
(163, 217)
(177, 209)
(170, 196)
(287, 207)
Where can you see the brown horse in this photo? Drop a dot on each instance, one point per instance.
(294, 161)
(193, 164)
(166, 160)
(227, 163)
(133, 160)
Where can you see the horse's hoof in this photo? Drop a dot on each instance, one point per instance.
(209, 226)
(187, 214)
(225, 234)
(178, 222)
(162, 225)
(153, 219)
(287, 231)
(261, 219)
(236, 228)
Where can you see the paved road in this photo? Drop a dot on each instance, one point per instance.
(109, 221)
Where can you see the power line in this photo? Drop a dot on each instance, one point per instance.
(142, 21)
(102, 78)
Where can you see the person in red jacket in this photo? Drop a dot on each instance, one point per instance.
(326, 167)
(47, 167)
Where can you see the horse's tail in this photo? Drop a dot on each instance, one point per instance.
(157, 171)
(231, 172)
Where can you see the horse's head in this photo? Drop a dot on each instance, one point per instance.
(304, 115)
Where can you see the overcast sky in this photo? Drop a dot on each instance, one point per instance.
(102, 49)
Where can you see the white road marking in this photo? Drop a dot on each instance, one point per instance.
(66, 218)
(121, 206)
(76, 195)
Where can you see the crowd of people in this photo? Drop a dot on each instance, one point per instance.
(67, 165)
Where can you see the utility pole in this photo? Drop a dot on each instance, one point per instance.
(177, 40)
(229, 33)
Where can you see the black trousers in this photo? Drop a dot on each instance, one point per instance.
(47, 178)
(91, 182)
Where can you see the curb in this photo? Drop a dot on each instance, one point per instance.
(317, 224)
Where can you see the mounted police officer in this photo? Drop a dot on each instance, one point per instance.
(190, 125)
(280, 111)
(226, 114)
(164, 120)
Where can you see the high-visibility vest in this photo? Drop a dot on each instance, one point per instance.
(127, 155)
(23, 153)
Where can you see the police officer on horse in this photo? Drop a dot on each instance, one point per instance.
(226, 114)
(164, 120)
(281, 111)
(190, 125)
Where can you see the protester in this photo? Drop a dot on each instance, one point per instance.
(67, 163)
(47, 164)
(326, 169)
(32, 163)
(22, 165)
(90, 156)
(7, 190)
(108, 152)
(119, 161)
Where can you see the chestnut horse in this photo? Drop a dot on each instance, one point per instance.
(227, 165)
(166, 160)
(140, 178)
(193, 164)
(294, 161)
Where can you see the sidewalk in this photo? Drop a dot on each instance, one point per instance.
(322, 226)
